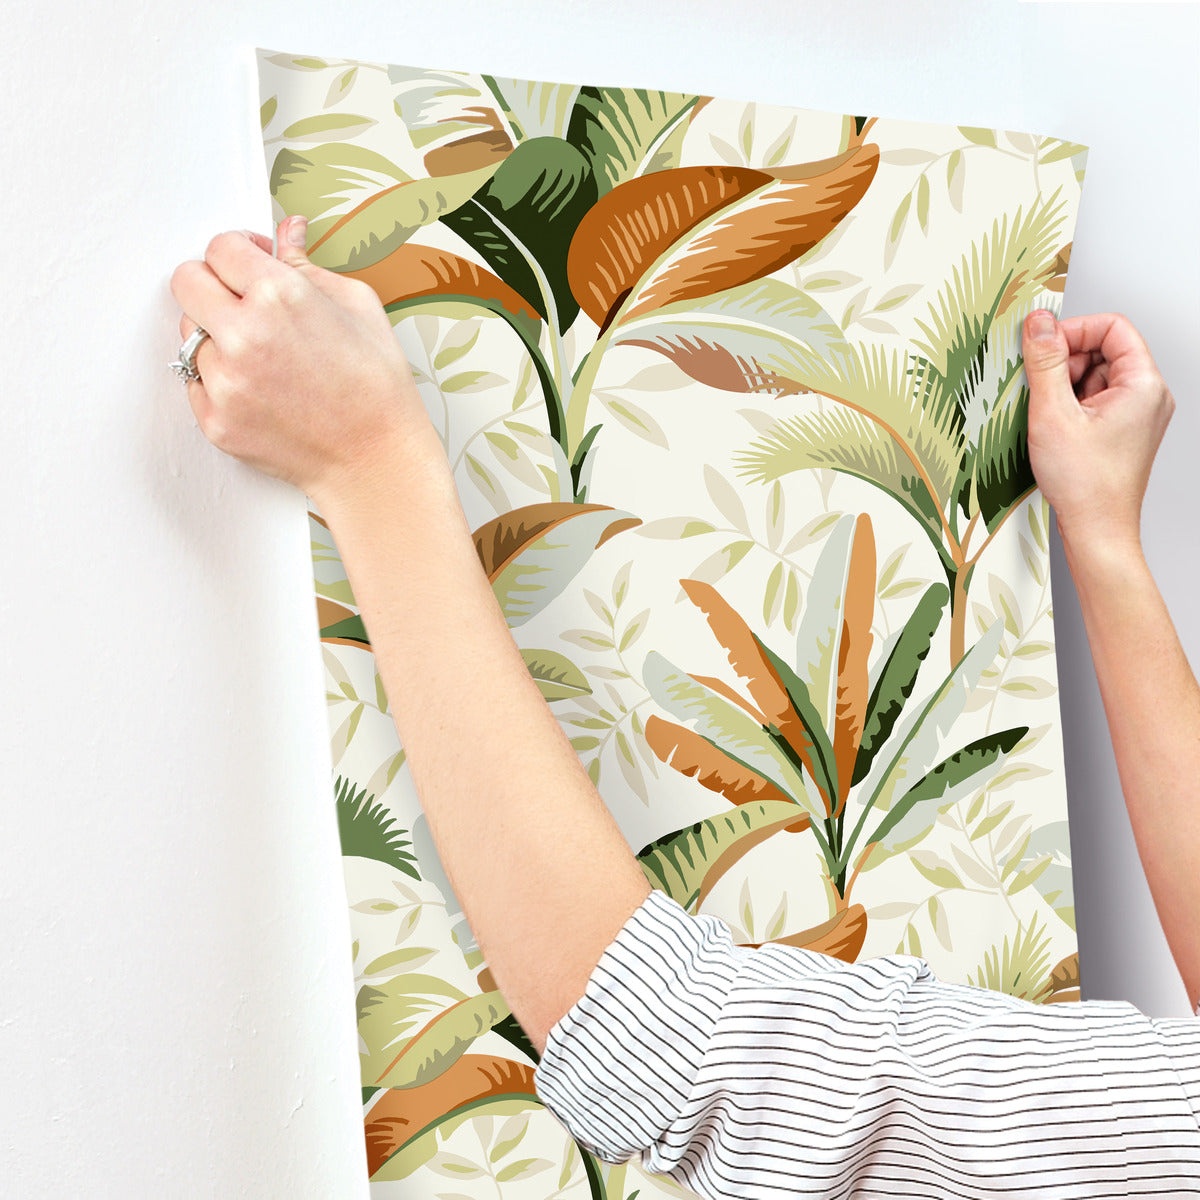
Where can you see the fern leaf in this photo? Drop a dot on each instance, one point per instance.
(846, 441)
(367, 830)
(1003, 269)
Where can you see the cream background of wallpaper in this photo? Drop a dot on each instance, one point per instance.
(175, 991)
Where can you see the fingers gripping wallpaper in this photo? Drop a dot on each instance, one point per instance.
(735, 404)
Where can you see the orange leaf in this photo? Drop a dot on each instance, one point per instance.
(1064, 985)
(698, 759)
(752, 665)
(788, 210)
(853, 687)
(503, 538)
(413, 270)
(842, 936)
(402, 1114)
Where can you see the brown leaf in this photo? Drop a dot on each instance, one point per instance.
(329, 612)
(752, 665)
(717, 366)
(500, 540)
(853, 686)
(401, 1114)
(1058, 278)
(1063, 986)
(698, 759)
(473, 151)
(413, 270)
(842, 936)
(788, 210)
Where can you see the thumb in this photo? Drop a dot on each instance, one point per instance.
(290, 240)
(1047, 362)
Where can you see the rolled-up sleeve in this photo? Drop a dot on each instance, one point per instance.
(779, 1071)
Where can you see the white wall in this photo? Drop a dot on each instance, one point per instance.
(175, 994)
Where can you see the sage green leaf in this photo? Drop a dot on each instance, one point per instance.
(535, 109)
(913, 748)
(898, 676)
(934, 868)
(913, 815)
(394, 1010)
(1054, 881)
(328, 181)
(454, 116)
(729, 727)
(749, 338)
(295, 62)
(523, 219)
(385, 220)
(980, 137)
(322, 126)
(442, 1041)
(819, 637)
(539, 569)
(558, 678)
(619, 129)
(685, 864)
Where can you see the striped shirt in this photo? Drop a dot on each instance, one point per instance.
(779, 1071)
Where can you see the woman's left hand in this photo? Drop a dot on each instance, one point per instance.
(301, 375)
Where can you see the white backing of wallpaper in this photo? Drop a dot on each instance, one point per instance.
(175, 985)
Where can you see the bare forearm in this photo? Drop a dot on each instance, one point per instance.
(544, 875)
(1152, 703)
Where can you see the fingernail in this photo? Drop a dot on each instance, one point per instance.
(297, 230)
(1041, 324)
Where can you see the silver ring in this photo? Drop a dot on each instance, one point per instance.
(185, 365)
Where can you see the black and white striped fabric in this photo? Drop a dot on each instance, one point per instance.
(782, 1072)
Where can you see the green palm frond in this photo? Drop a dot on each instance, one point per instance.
(1020, 969)
(367, 830)
(999, 463)
(1004, 267)
(845, 440)
(888, 389)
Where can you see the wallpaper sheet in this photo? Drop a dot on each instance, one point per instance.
(734, 400)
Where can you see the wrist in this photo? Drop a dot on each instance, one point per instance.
(1095, 553)
(404, 465)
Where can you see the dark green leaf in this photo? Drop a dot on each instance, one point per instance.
(949, 773)
(522, 220)
(899, 676)
(820, 746)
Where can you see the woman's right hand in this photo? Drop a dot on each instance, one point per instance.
(302, 375)
(1098, 409)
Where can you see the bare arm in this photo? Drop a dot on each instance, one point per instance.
(304, 379)
(1098, 410)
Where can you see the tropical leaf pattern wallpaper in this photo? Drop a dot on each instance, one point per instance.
(734, 400)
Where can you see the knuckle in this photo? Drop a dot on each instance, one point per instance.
(218, 243)
(182, 276)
